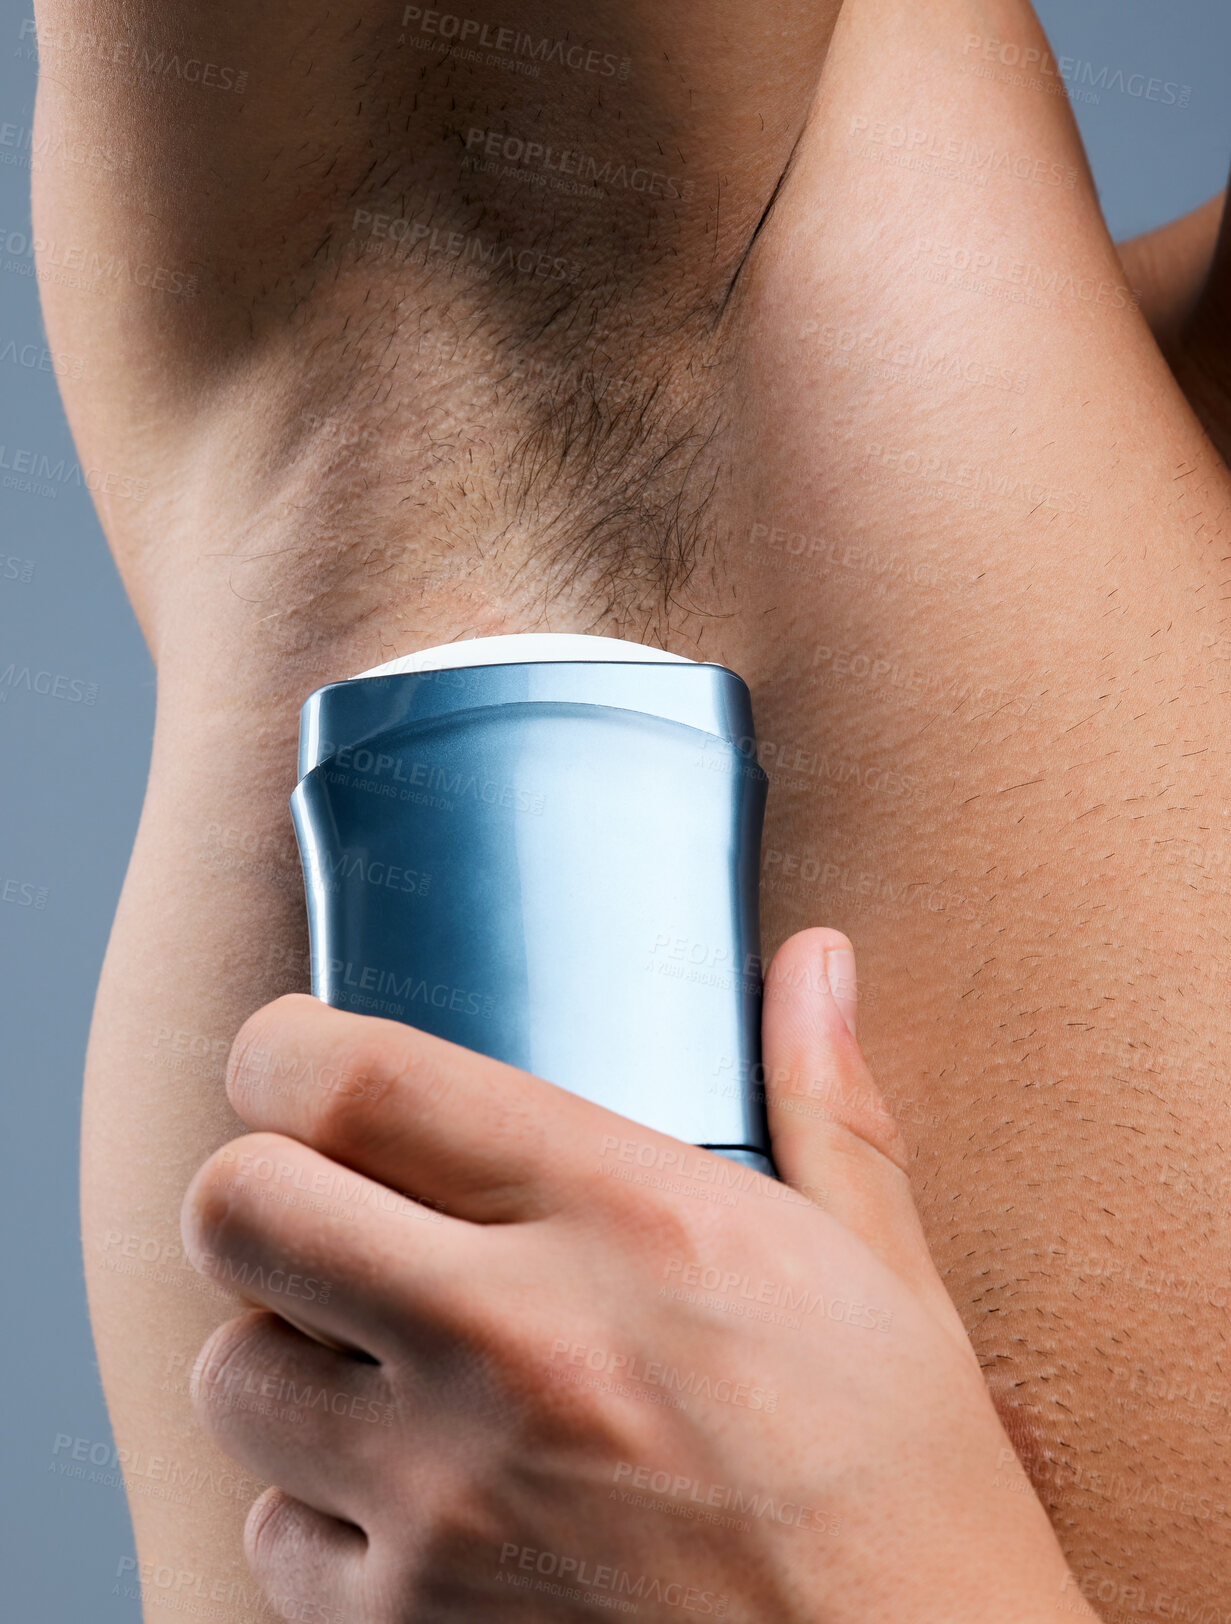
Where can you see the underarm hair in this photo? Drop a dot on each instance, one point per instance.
(596, 459)
(566, 368)
(618, 482)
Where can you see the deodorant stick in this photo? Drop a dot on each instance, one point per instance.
(547, 849)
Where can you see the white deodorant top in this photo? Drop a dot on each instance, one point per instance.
(525, 648)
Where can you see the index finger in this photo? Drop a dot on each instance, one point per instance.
(480, 1139)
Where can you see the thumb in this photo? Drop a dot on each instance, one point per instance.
(834, 1138)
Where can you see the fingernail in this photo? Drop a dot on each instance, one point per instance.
(840, 971)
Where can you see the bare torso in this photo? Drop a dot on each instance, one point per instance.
(457, 347)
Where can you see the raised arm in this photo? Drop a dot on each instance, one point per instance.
(866, 412)
(399, 321)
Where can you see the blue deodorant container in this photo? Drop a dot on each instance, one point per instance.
(547, 848)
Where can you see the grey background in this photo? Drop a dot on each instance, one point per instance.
(74, 773)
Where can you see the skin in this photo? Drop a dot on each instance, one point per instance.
(1169, 270)
(1185, 272)
(473, 1328)
(989, 675)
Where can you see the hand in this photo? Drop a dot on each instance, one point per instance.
(529, 1360)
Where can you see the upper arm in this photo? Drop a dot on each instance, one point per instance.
(1169, 267)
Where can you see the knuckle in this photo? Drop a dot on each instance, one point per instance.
(581, 1379)
(265, 1533)
(229, 1355)
(207, 1205)
(684, 1220)
(252, 1064)
(346, 1103)
(222, 1205)
(857, 1140)
(691, 1229)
